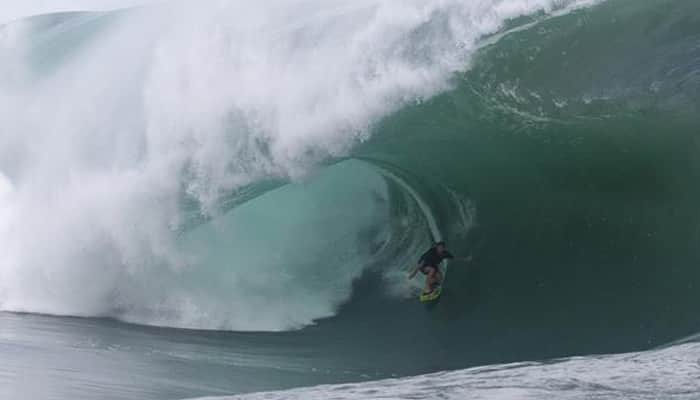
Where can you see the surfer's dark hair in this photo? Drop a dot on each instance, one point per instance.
(440, 243)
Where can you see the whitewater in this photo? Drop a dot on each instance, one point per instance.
(224, 197)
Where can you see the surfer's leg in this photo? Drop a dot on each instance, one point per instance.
(430, 280)
(428, 286)
(438, 277)
(427, 272)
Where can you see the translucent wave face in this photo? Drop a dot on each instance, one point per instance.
(108, 121)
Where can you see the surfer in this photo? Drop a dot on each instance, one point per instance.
(429, 263)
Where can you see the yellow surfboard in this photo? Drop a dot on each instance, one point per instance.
(432, 296)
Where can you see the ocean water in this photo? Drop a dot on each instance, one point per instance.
(223, 197)
(624, 376)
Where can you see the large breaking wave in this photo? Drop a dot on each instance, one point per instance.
(241, 166)
(129, 136)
